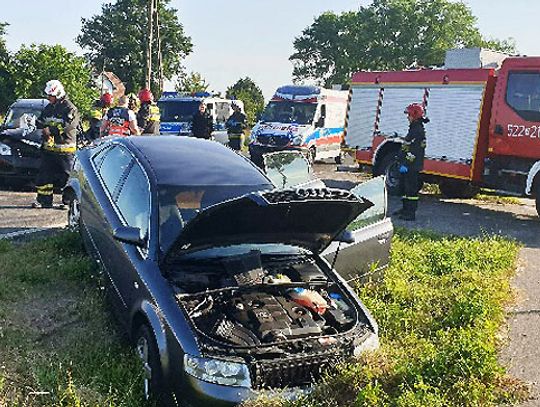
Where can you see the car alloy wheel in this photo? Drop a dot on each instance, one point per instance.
(74, 214)
(146, 348)
(142, 352)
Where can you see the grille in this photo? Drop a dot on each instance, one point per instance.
(269, 140)
(305, 194)
(292, 372)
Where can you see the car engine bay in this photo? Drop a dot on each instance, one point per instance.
(277, 303)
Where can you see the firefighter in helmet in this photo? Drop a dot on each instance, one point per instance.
(59, 122)
(120, 121)
(411, 160)
(99, 109)
(235, 125)
(148, 116)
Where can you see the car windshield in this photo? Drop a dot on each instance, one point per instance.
(177, 111)
(180, 204)
(15, 114)
(289, 112)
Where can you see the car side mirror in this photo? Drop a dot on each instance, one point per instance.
(131, 235)
(346, 237)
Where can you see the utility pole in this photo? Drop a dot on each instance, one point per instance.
(149, 41)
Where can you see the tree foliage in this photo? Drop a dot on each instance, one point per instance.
(116, 38)
(248, 92)
(386, 35)
(193, 82)
(7, 88)
(33, 66)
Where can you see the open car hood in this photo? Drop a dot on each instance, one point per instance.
(32, 137)
(306, 217)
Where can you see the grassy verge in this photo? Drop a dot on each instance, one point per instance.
(440, 308)
(57, 345)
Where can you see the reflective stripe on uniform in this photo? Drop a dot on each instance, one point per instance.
(410, 198)
(154, 114)
(60, 148)
(46, 189)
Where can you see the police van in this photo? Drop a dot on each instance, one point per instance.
(177, 110)
(310, 119)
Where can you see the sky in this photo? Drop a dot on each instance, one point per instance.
(238, 38)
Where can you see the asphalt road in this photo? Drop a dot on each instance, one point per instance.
(459, 217)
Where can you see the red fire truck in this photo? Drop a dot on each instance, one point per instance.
(484, 128)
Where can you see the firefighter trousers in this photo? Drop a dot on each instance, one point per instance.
(411, 184)
(236, 140)
(53, 172)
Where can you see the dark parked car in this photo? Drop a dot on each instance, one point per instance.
(216, 274)
(20, 142)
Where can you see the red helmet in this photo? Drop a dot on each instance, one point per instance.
(145, 95)
(106, 99)
(415, 111)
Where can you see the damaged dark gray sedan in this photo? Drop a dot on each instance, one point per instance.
(219, 277)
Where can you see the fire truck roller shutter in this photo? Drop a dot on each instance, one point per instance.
(361, 117)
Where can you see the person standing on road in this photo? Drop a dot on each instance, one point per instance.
(236, 124)
(411, 160)
(202, 124)
(120, 121)
(99, 109)
(59, 122)
(148, 116)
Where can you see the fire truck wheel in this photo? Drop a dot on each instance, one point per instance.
(457, 189)
(538, 203)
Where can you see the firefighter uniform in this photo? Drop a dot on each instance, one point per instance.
(58, 150)
(148, 118)
(411, 159)
(236, 124)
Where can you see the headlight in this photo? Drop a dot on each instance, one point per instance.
(5, 149)
(296, 141)
(371, 343)
(217, 371)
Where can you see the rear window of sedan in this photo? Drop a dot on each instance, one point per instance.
(180, 204)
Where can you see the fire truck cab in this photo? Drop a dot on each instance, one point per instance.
(484, 128)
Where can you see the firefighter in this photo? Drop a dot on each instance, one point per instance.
(120, 121)
(411, 160)
(235, 125)
(59, 122)
(202, 124)
(99, 109)
(148, 116)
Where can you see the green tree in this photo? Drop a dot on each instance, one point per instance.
(194, 82)
(7, 88)
(33, 66)
(248, 92)
(116, 38)
(386, 35)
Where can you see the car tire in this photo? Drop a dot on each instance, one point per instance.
(389, 166)
(457, 189)
(74, 215)
(340, 158)
(152, 375)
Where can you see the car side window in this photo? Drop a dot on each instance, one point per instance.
(373, 190)
(113, 166)
(134, 200)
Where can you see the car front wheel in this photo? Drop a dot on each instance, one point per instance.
(74, 215)
(147, 351)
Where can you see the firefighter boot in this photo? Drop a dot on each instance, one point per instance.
(409, 210)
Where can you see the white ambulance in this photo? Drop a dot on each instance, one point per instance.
(306, 118)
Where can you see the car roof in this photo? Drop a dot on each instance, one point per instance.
(179, 160)
(30, 103)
